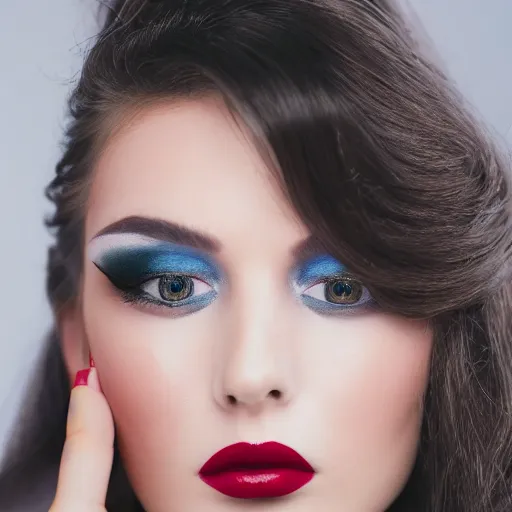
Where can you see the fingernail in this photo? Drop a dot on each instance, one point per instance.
(81, 378)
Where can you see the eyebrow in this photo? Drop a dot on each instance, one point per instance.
(164, 230)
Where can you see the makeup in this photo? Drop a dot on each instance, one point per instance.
(154, 272)
(82, 377)
(326, 287)
(252, 471)
(161, 275)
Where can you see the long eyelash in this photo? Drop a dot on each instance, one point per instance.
(137, 296)
(330, 279)
(136, 299)
(330, 309)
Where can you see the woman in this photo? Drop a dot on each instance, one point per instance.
(285, 243)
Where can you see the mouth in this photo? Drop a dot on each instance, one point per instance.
(255, 471)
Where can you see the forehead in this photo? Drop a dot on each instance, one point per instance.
(193, 164)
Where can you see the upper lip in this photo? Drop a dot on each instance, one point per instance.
(242, 456)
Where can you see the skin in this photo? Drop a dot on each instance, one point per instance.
(351, 386)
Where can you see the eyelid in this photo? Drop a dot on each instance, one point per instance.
(318, 269)
(153, 276)
(135, 264)
(346, 276)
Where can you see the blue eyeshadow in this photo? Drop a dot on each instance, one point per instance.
(130, 266)
(318, 268)
(325, 268)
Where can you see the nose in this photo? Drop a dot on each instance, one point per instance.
(255, 368)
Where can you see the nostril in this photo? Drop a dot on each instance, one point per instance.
(275, 393)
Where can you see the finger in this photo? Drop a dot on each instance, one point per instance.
(86, 460)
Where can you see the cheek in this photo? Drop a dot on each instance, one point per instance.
(380, 365)
(371, 388)
(390, 372)
(149, 373)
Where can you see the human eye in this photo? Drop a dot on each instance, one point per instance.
(339, 291)
(171, 290)
(326, 287)
(158, 277)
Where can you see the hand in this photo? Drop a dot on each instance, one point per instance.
(88, 452)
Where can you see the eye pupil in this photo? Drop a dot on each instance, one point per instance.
(339, 289)
(174, 288)
(343, 292)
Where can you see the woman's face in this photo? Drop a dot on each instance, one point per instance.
(248, 333)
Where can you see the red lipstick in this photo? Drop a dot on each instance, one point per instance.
(251, 471)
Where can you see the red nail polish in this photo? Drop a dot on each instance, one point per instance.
(81, 377)
(91, 361)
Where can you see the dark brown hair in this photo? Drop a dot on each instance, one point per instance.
(383, 162)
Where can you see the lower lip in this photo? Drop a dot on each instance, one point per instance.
(258, 483)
